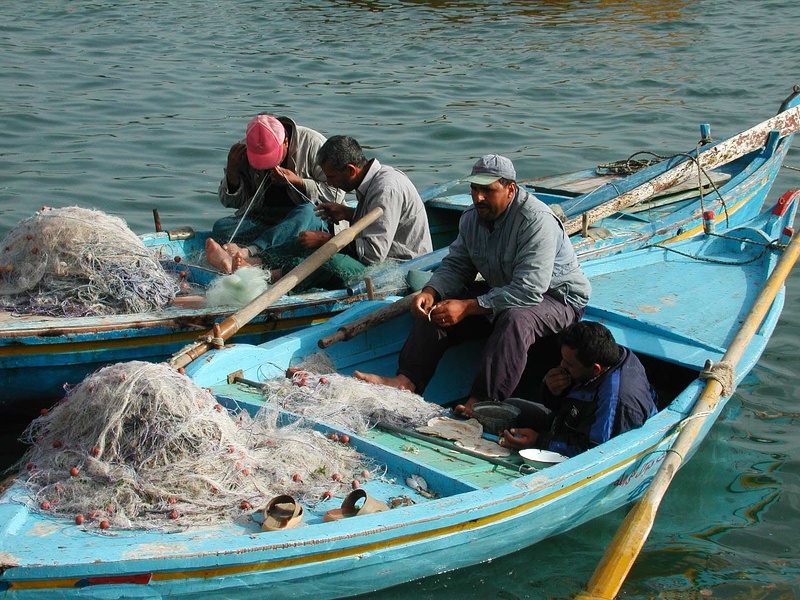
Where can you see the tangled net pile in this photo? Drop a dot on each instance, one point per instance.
(79, 262)
(138, 445)
(316, 391)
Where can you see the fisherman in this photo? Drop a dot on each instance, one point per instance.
(274, 180)
(599, 391)
(532, 287)
(400, 234)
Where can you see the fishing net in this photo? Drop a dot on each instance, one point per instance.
(139, 445)
(237, 289)
(316, 391)
(79, 262)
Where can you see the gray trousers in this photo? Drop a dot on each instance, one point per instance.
(504, 355)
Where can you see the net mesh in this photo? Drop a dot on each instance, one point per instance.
(79, 262)
(316, 391)
(139, 445)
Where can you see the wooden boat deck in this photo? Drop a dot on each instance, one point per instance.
(447, 471)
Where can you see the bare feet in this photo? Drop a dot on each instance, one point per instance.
(240, 261)
(218, 257)
(230, 257)
(400, 382)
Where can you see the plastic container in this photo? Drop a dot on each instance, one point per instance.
(541, 458)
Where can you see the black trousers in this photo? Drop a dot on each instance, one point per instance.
(504, 356)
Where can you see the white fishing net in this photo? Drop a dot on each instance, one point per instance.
(78, 262)
(139, 445)
(316, 391)
(237, 289)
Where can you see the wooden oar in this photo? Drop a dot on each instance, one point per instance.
(629, 539)
(726, 151)
(350, 330)
(224, 330)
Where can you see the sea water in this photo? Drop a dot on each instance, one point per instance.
(132, 106)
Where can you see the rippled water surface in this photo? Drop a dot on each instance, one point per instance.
(131, 106)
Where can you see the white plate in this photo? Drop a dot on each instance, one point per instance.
(546, 458)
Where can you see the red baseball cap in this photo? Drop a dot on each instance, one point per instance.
(264, 140)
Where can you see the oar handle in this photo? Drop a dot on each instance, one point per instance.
(632, 534)
(367, 322)
(227, 328)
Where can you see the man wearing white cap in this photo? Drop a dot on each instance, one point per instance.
(274, 181)
(532, 287)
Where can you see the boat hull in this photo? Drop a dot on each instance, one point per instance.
(480, 510)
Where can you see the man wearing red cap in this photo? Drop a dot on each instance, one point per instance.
(274, 181)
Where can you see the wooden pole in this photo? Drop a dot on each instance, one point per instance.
(632, 534)
(386, 313)
(726, 151)
(227, 328)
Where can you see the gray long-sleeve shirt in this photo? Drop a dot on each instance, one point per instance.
(301, 157)
(402, 233)
(523, 255)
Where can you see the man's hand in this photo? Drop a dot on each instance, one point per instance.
(313, 239)
(423, 302)
(333, 212)
(281, 176)
(518, 438)
(558, 381)
(449, 312)
(237, 166)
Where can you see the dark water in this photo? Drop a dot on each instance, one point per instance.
(130, 106)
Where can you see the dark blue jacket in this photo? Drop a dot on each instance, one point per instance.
(616, 401)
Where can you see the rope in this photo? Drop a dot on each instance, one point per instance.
(774, 245)
(215, 341)
(258, 193)
(700, 171)
(791, 168)
(722, 372)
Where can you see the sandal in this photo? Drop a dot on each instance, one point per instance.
(282, 512)
(349, 508)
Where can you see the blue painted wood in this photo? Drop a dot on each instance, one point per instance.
(482, 512)
(39, 355)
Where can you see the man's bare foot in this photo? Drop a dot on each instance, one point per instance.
(218, 257)
(400, 382)
(240, 261)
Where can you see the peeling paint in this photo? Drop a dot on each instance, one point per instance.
(42, 529)
(154, 550)
(8, 560)
(648, 309)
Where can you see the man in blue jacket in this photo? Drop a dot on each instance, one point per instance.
(599, 391)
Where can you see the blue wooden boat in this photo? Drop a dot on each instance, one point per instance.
(475, 509)
(39, 355)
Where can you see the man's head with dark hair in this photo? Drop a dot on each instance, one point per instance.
(343, 162)
(587, 349)
(339, 151)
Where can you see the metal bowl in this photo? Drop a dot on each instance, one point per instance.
(495, 417)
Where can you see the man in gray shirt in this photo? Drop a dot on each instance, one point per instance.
(401, 233)
(532, 287)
